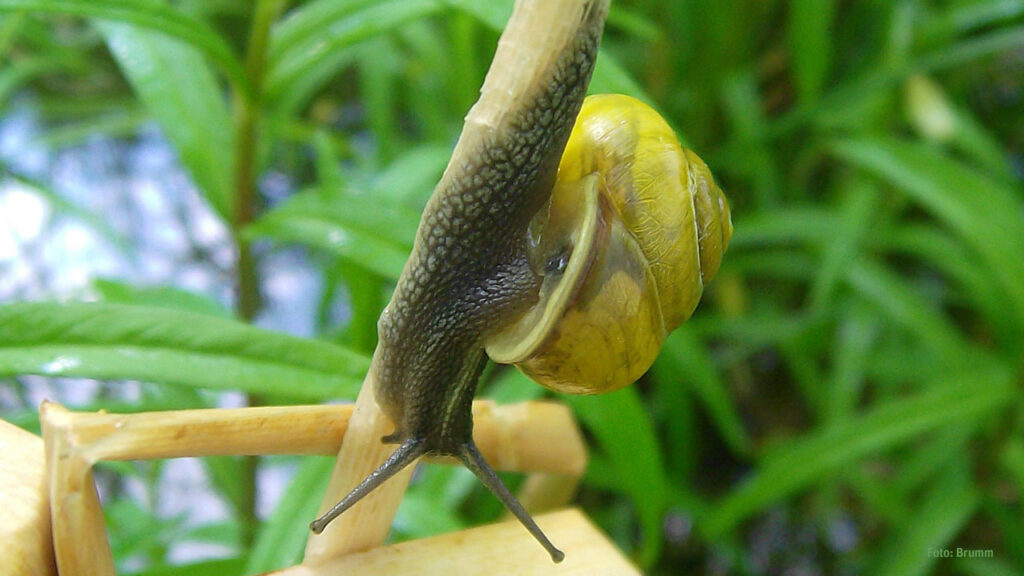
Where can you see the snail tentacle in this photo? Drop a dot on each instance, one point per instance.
(406, 454)
(471, 458)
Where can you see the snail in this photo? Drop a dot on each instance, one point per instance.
(634, 228)
(566, 237)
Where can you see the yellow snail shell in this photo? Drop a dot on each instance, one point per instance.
(634, 229)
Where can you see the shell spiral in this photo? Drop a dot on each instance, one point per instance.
(634, 229)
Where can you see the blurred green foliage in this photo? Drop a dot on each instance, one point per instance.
(847, 399)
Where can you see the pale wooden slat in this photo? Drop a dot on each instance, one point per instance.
(79, 535)
(535, 437)
(527, 437)
(25, 547)
(365, 525)
(495, 550)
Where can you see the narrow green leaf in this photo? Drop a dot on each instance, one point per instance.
(946, 508)
(625, 434)
(982, 211)
(906, 307)
(282, 539)
(854, 216)
(494, 14)
(609, 76)
(317, 49)
(179, 90)
(810, 44)
(360, 229)
(13, 75)
(308, 21)
(116, 292)
(409, 180)
(145, 14)
(422, 514)
(941, 250)
(826, 452)
(115, 342)
(857, 333)
(784, 227)
(690, 363)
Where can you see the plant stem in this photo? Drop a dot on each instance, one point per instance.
(248, 108)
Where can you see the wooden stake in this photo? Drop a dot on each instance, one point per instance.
(498, 549)
(25, 544)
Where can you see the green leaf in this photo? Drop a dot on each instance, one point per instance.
(313, 43)
(115, 342)
(609, 76)
(687, 360)
(827, 452)
(494, 14)
(179, 90)
(116, 292)
(940, 249)
(624, 433)
(946, 508)
(282, 539)
(360, 229)
(422, 513)
(810, 44)
(983, 212)
(146, 14)
(898, 300)
(21, 71)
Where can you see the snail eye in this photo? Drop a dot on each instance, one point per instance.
(557, 263)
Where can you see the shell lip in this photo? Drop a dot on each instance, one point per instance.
(526, 335)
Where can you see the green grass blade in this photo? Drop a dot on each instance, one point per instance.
(116, 292)
(826, 452)
(983, 212)
(624, 433)
(686, 359)
(810, 44)
(145, 14)
(112, 342)
(946, 508)
(360, 229)
(313, 53)
(904, 306)
(609, 76)
(282, 539)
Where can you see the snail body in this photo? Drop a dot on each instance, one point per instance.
(537, 257)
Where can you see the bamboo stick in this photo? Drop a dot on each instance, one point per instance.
(527, 437)
(366, 524)
(497, 549)
(537, 437)
(25, 544)
(80, 542)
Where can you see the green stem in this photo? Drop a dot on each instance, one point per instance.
(248, 108)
